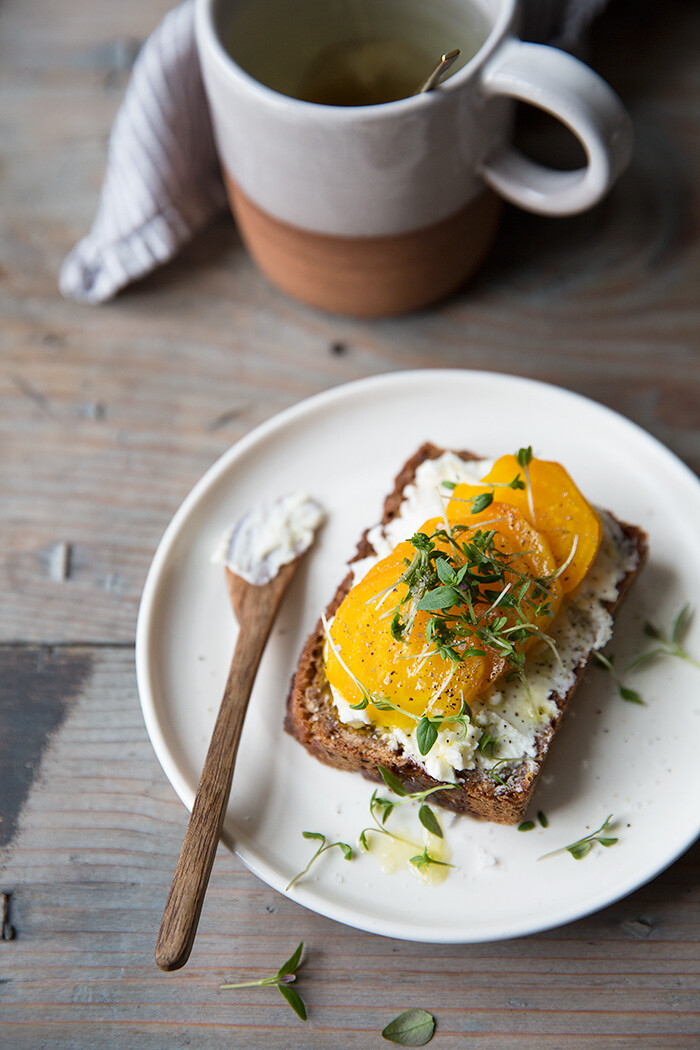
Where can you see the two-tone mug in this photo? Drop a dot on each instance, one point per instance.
(359, 194)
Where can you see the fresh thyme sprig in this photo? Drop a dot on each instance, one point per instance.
(582, 847)
(323, 848)
(630, 695)
(672, 646)
(381, 809)
(285, 976)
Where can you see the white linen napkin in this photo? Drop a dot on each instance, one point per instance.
(162, 181)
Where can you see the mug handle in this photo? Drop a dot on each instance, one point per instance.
(560, 84)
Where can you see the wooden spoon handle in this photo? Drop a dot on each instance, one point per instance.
(257, 608)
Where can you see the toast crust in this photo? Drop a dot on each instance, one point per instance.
(312, 719)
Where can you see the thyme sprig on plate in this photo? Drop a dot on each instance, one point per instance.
(285, 976)
(381, 809)
(323, 848)
(582, 847)
(606, 662)
(671, 646)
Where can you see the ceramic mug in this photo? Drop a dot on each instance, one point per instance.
(372, 210)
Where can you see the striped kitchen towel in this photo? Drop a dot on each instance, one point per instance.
(162, 182)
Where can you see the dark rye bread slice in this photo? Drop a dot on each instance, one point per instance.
(311, 716)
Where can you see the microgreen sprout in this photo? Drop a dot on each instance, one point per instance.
(606, 662)
(323, 848)
(582, 847)
(672, 646)
(424, 860)
(494, 770)
(488, 744)
(285, 976)
(526, 825)
(524, 458)
(484, 499)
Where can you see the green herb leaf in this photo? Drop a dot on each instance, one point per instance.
(449, 485)
(603, 661)
(411, 1028)
(323, 848)
(445, 570)
(292, 963)
(524, 456)
(681, 624)
(397, 627)
(392, 781)
(542, 819)
(481, 502)
(426, 735)
(439, 598)
(294, 999)
(526, 825)
(384, 805)
(429, 820)
(582, 848)
(630, 695)
(672, 646)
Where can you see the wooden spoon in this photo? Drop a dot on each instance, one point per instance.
(255, 607)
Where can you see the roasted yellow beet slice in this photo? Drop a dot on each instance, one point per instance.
(561, 512)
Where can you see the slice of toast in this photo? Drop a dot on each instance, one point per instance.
(313, 720)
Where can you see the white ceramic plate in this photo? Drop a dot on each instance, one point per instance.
(638, 762)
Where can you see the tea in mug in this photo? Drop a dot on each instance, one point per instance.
(348, 52)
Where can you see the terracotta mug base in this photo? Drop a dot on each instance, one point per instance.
(368, 276)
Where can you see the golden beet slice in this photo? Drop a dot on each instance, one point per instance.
(561, 512)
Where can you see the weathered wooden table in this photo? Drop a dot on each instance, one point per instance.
(110, 414)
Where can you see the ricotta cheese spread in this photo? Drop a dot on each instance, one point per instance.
(514, 712)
